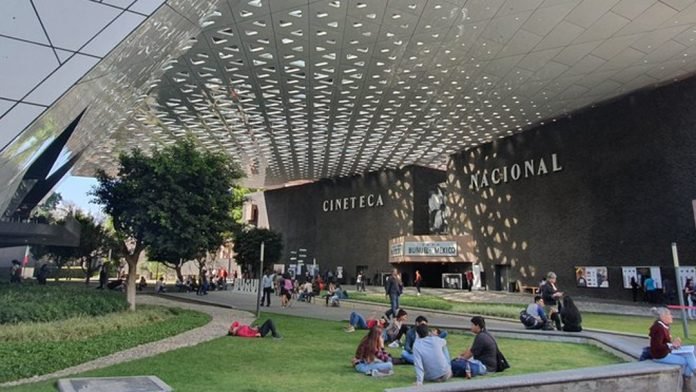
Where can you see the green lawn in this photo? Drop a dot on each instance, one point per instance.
(314, 355)
(29, 349)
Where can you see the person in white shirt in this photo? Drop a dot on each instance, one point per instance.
(267, 285)
(430, 357)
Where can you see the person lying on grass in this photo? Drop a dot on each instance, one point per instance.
(246, 331)
(356, 320)
(370, 357)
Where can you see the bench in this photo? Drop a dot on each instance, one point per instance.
(524, 288)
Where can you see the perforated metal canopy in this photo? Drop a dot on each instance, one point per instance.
(303, 89)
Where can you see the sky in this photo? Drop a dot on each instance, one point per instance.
(76, 189)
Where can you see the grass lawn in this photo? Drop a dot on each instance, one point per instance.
(314, 355)
(28, 349)
(610, 322)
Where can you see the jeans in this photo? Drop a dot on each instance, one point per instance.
(267, 327)
(357, 321)
(686, 361)
(459, 367)
(365, 368)
(407, 356)
(394, 299)
(266, 296)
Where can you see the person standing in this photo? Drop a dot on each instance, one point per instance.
(42, 274)
(481, 358)
(430, 357)
(650, 288)
(267, 286)
(469, 279)
(634, 288)
(417, 281)
(551, 296)
(103, 276)
(689, 296)
(359, 281)
(16, 272)
(393, 289)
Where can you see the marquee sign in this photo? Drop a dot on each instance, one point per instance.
(434, 249)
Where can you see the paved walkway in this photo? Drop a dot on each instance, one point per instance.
(217, 327)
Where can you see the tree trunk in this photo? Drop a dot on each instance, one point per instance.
(177, 268)
(130, 283)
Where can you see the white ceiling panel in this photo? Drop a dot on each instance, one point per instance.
(18, 20)
(23, 66)
(71, 23)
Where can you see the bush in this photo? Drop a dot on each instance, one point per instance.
(36, 303)
(30, 349)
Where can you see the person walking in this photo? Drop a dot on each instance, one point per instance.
(393, 289)
(417, 281)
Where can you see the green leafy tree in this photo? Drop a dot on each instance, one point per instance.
(95, 242)
(247, 246)
(175, 203)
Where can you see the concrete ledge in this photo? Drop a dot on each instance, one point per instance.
(625, 377)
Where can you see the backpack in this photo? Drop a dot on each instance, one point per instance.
(527, 319)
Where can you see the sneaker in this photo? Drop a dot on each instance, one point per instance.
(377, 373)
(350, 329)
(394, 344)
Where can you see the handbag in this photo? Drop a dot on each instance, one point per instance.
(501, 362)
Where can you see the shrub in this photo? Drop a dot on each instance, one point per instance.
(36, 303)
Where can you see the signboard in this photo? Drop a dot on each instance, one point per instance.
(431, 249)
(452, 281)
(640, 274)
(396, 250)
(686, 273)
(593, 277)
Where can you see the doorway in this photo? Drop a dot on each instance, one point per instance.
(502, 277)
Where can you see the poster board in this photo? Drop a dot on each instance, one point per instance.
(591, 277)
(687, 272)
(452, 281)
(640, 274)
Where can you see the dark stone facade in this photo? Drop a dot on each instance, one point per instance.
(622, 197)
(354, 238)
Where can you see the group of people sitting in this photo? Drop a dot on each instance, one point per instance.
(423, 347)
(567, 318)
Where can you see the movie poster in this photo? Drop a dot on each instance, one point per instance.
(591, 277)
(640, 274)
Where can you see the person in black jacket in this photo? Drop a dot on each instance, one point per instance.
(393, 289)
(551, 296)
(570, 316)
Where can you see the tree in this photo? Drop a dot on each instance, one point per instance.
(95, 242)
(175, 203)
(46, 210)
(247, 245)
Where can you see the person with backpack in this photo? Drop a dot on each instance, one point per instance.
(534, 316)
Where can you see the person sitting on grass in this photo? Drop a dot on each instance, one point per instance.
(357, 321)
(407, 352)
(141, 284)
(570, 316)
(159, 286)
(430, 357)
(370, 357)
(534, 316)
(481, 358)
(246, 331)
(396, 329)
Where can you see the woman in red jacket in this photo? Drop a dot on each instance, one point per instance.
(246, 331)
(662, 344)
